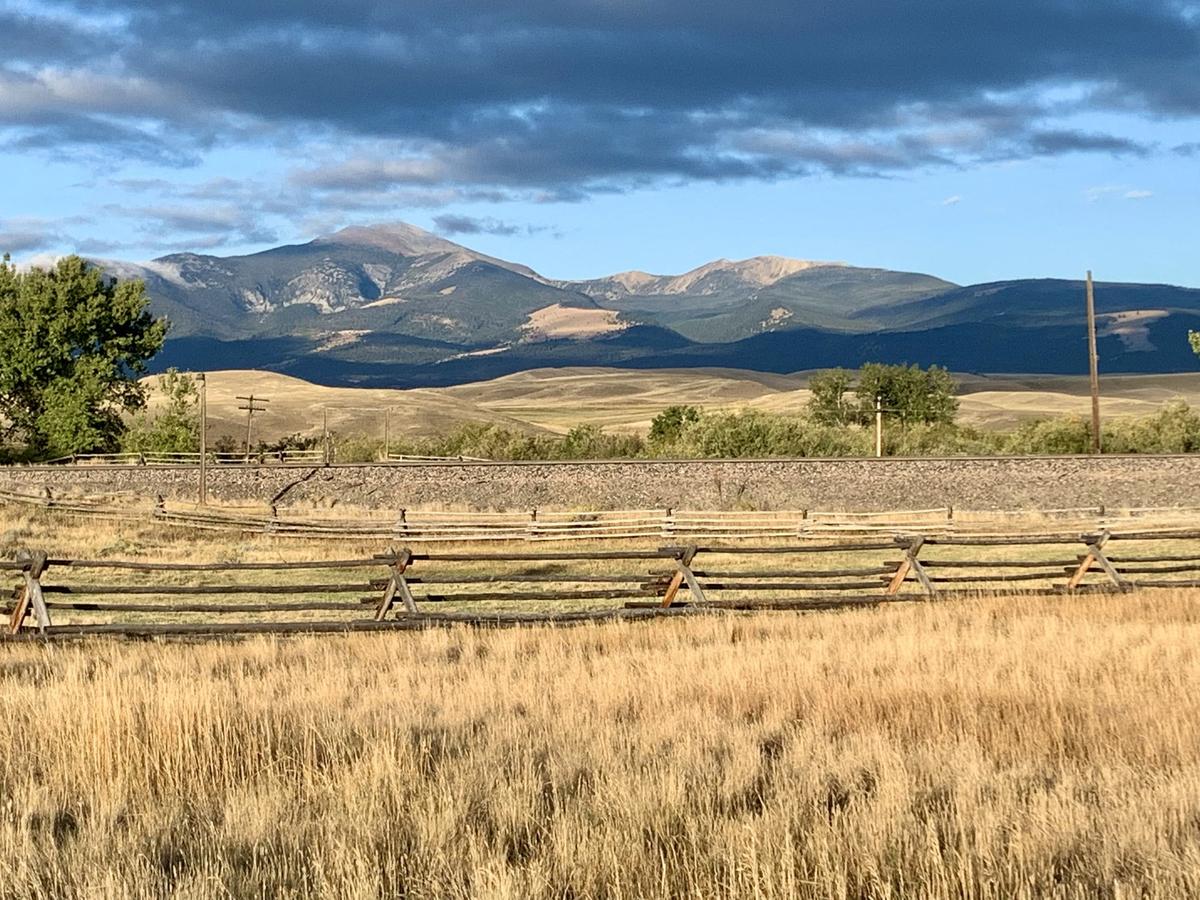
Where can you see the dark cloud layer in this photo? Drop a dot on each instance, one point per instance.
(557, 99)
(452, 223)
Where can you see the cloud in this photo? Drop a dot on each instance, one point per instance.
(40, 240)
(98, 246)
(573, 97)
(38, 261)
(450, 223)
(16, 242)
(1054, 143)
(375, 108)
(952, 201)
(1109, 191)
(205, 226)
(29, 235)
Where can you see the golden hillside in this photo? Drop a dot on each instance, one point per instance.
(622, 399)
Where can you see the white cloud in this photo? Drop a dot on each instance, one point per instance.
(952, 201)
(38, 261)
(1105, 191)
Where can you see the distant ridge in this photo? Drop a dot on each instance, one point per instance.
(758, 271)
(395, 305)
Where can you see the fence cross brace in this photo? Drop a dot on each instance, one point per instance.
(397, 584)
(683, 575)
(1095, 556)
(31, 595)
(910, 565)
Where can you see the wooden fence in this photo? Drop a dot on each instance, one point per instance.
(315, 457)
(667, 524)
(254, 458)
(403, 587)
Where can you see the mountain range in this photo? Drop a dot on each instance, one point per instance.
(393, 305)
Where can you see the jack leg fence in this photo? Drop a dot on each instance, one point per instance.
(406, 588)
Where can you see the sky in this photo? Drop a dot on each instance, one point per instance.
(970, 139)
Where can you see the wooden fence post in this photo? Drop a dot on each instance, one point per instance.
(31, 597)
(683, 575)
(397, 584)
(911, 565)
(1095, 555)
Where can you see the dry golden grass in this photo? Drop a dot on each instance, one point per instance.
(627, 400)
(1018, 748)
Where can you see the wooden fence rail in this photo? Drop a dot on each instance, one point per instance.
(149, 458)
(537, 525)
(402, 586)
(258, 457)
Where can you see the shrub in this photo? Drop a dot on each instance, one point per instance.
(1173, 429)
(669, 424)
(1067, 434)
(173, 429)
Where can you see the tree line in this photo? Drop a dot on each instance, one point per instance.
(685, 432)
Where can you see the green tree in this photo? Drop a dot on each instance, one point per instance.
(72, 345)
(173, 429)
(828, 404)
(916, 395)
(669, 424)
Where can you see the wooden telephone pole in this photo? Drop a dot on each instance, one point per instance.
(251, 407)
(1094, 364)
(325, 435)
(203, 437)
(878, 425)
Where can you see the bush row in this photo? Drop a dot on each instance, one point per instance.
(688, 433)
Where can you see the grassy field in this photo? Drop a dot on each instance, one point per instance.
(1015, 748)
(556, 399)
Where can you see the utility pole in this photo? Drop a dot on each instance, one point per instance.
(251, 408)
(325, 434)
(203, 437)
(878, 425)
(1093, 361)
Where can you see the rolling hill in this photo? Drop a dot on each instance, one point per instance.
(554, 400)
(395, 306)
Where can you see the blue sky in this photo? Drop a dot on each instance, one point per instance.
(968, 139)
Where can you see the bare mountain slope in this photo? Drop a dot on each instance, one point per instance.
(730, 300)
(393, 305)
(393, 279)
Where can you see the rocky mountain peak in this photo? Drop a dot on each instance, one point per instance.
(396, 237)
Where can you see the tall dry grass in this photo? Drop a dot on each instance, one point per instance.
(1015, 748)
